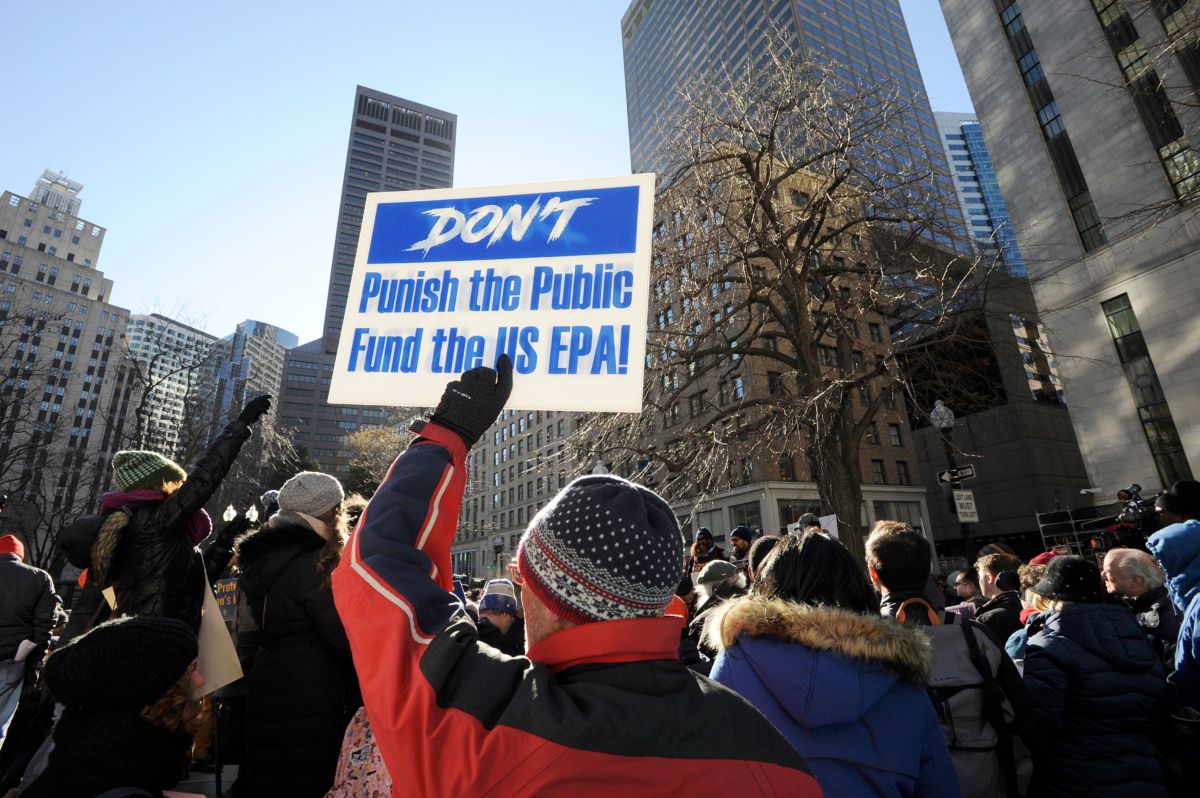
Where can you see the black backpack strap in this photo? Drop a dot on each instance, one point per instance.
(993, 702)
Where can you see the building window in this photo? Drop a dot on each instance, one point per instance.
(894, 435)
(902, 475)
(872, 433)
(1153, 412)
(775, 383)
(876, 333)
(878, 472)
(787, 467)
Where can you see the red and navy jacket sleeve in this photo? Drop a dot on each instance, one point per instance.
(392, 590)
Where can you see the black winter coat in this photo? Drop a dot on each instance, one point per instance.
(1098, 691)
(1002, 616)
(157, 569)
(1160, 620)
(28, 606)
(302, 691)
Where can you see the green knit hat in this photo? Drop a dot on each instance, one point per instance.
(138, 470)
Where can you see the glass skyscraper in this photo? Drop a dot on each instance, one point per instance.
(978, 189)
(668, 43)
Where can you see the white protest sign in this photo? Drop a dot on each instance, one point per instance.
(829, 524)
(556, 275)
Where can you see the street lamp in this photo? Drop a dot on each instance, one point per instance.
(943, 421)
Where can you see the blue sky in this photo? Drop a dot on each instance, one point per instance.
(211, 138)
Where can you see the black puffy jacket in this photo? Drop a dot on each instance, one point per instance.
(157, 569)
(302, 691)
(1098, 689)
(28, 605)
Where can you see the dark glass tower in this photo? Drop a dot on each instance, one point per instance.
(668, 43)
(395, 145)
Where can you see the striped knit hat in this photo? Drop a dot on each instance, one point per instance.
(602, 550)
(140, 470)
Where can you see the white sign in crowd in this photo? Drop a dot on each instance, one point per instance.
(557, 275)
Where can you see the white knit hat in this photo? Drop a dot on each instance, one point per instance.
(311, 493)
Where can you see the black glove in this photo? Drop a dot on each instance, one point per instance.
(471, 403)
(255, 409)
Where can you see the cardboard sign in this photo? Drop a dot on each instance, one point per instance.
(556, 275)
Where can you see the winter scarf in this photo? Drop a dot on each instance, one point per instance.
(199, 527)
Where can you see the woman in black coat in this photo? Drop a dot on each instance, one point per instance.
(1097, 688)
(145, 546)
(302, 690)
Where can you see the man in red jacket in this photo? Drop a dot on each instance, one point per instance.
(601, 704)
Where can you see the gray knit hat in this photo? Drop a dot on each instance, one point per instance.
(311, 493)
(603, 549)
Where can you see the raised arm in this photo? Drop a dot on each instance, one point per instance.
(392, 587)
(206, 475)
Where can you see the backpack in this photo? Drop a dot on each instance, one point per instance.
(361, 772)
(972, 710)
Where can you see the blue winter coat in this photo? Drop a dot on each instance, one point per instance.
(847, 690)
(1098, 690)
(1177, 548)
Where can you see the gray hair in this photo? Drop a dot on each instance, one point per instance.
(1132, 562)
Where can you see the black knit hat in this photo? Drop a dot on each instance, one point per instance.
(743, 532)
(1071, 578)
(127, 663)
(1182, 498)
(703, 532)
(603, 549)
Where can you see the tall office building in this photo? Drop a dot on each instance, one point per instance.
(1088, 108)
(171, 361)
(978, 189)
(669, 43)
(60, 419)
(395, 144)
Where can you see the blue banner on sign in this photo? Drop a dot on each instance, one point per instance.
(601, 221)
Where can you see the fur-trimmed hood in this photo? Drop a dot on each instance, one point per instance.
(822, 664)
(265, 552)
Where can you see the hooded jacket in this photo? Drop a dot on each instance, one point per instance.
(847, 690)
(1177, 548)
(1098, 690)
(302, 691)
(599, 709)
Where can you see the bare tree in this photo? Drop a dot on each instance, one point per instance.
(801, 245)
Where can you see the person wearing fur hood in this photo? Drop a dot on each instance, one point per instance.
(845, 686)
(302, 689)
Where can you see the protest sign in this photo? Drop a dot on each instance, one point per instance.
(556, 275)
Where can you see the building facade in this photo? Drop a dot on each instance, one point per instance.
(669, 43)
(60, 344)
(171, 362)
(1088, 109)
(395, 145)
(978, 190)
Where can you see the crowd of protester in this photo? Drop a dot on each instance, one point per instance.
(616, 659)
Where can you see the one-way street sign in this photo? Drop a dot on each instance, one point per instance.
(960, 474)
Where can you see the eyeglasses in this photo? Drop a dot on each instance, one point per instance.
(514, 574)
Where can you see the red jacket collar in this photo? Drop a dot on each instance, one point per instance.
(633, 640)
